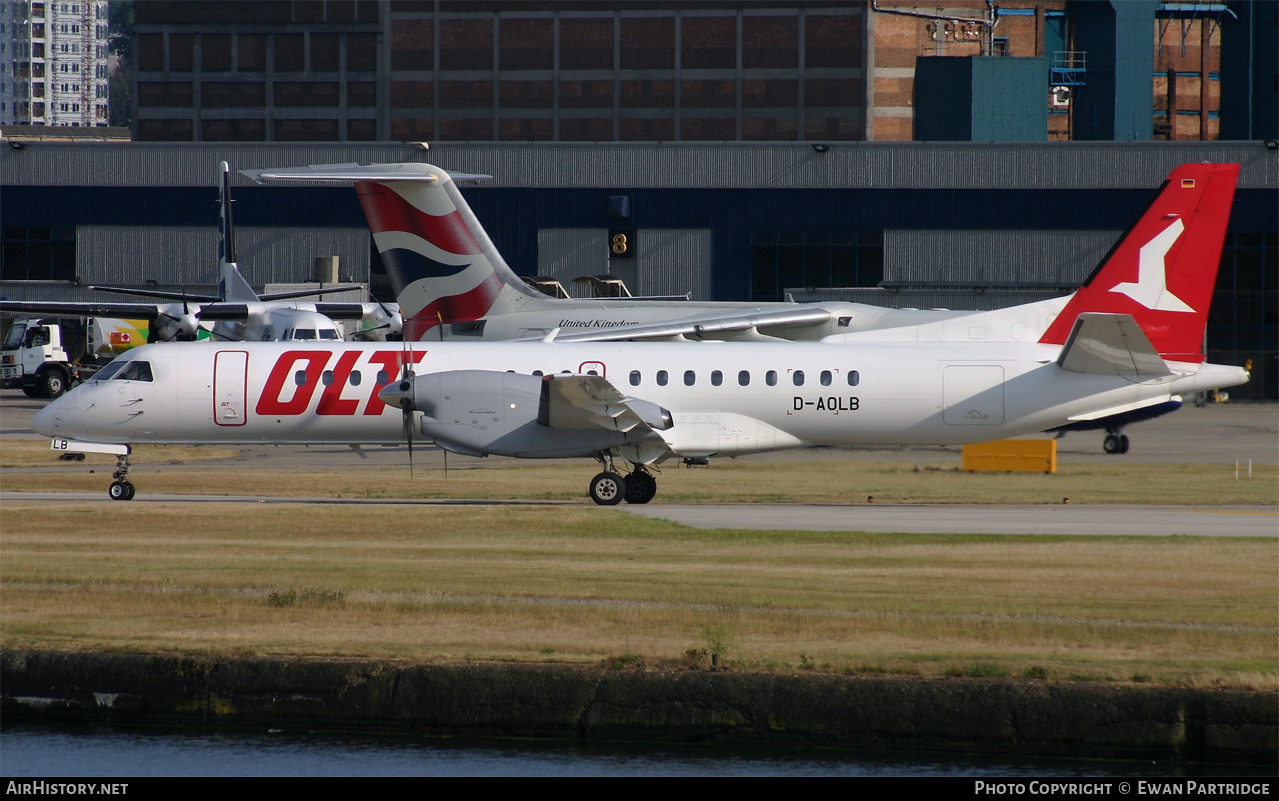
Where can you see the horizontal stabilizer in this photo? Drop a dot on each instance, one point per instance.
(1126, 409)
(1110, 344)
(352, 173)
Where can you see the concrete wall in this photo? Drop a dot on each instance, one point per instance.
(804, 709)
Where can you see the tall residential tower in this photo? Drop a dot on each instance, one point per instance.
(54, 60)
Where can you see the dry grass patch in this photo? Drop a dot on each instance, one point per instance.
(580, 584)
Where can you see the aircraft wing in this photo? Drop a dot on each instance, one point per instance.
(591, 401)
(1110, 344)
(706, 324)
(204, 299)
(132, 311)
(159, 294)
(303, 293)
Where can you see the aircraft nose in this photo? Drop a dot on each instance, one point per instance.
(43, 420)
(398, 394)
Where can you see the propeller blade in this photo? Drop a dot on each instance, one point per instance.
(407, 417)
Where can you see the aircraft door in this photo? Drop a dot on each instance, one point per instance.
(230, 386)
(973, 394)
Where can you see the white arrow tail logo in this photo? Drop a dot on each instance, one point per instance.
(1151, 287)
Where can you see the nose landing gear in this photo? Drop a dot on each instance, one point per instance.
(121, 489)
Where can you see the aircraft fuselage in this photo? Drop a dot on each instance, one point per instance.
(723, 398)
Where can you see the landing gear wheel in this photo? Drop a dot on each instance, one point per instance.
(1113, 443)
(640, 487)
(121, 491)
(31, 392)
(608, 489)
(52, 384)
(1123, 443)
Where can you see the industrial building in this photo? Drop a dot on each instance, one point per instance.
(697, 71)
(973, 155)
(954, 225)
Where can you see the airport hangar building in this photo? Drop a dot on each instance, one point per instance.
(959, 225)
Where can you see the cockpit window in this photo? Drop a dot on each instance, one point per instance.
(304, 333)
(329, 333)
(136, 370)
(106, 373)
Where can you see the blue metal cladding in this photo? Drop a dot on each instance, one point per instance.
(513, 216)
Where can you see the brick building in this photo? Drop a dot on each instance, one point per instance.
(681, 70)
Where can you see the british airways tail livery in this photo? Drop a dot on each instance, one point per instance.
(453, 282)
(633, 406)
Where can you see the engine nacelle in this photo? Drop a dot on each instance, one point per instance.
(483, 412)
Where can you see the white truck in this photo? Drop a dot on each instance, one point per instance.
(47, 356)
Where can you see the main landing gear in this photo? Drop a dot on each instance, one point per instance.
(121, 489)
(610, 488)
(1114, 442)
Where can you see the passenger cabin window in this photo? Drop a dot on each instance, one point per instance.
(770, 378)
(826, 378)
(717, 378)
(690, 378)
(326, 378)
(635, 378)
(854, 378)
(798, 378)
(537, 372)
(661, 378)
(355, 378)
(744, 378)
(299, 378)
(135, 371)
(383, 378)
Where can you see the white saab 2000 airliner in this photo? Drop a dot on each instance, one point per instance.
(1129, 339)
